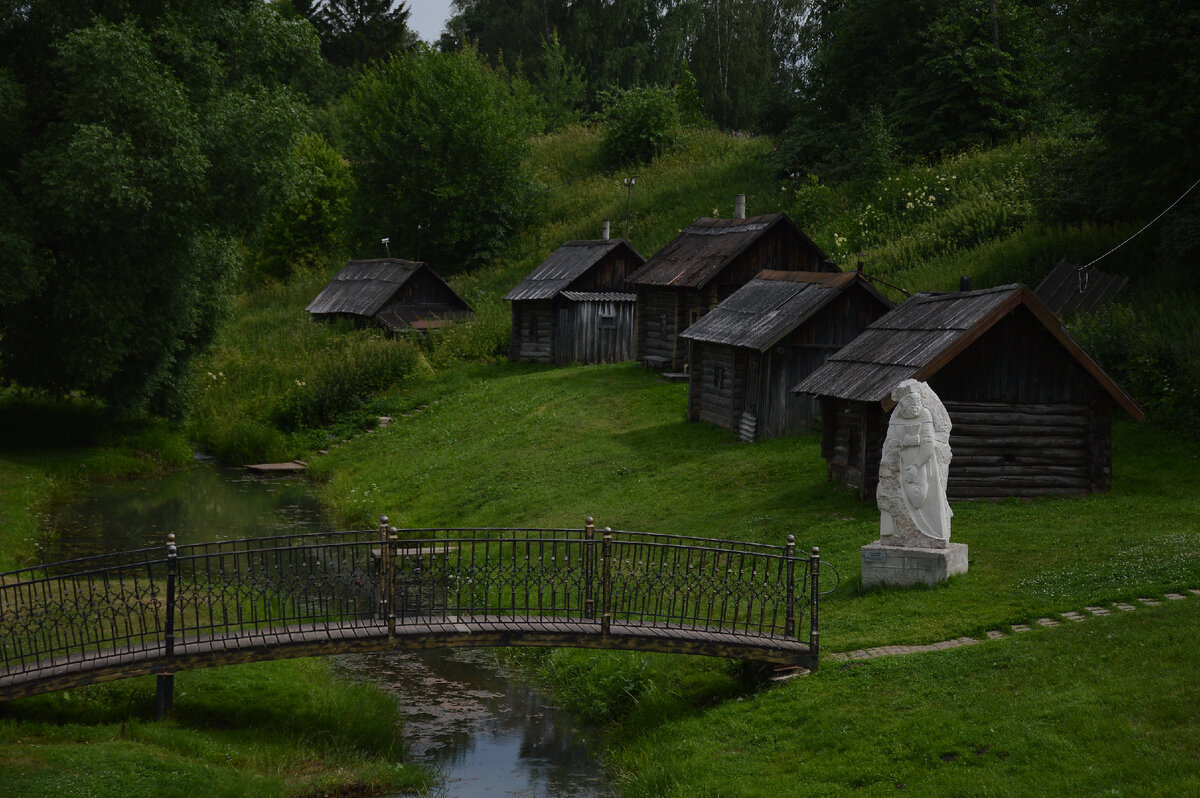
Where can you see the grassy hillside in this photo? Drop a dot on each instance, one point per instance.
(276, 384)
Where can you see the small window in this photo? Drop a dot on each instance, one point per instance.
(608, 321)
(719, 377)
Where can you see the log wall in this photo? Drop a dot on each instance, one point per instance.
(1029, 449)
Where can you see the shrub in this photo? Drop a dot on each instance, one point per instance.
(438, 147)
(1153, 352)
(639, 124)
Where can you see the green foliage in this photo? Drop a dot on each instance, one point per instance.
(560, 84)
(145, 146)
(640, 124)
(357, 32)
(739, 58)
(1131, 148)
(927, 77)
(1153, 351)
(437, 147)
(599, 687)
(307, 229)
(275, 377)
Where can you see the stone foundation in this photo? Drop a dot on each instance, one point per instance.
(902, 566)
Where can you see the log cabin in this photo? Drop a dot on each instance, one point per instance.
(703, 266)
(575, 307)
(393, 293)
(1032, 411)
(748, 352)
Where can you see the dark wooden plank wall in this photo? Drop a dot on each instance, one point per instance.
(803, 351)
(421, 289)
(607, 275)
(1011, 449)
(1017, 360)
(584, 337)
(779, 249)
(532, 331)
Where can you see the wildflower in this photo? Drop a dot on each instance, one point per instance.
(908, 205)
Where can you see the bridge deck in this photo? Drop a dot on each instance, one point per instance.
(453, 632)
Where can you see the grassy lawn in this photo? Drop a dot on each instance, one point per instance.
(1104, 707)
(1098, 708)
(525, 445)
(264, 729)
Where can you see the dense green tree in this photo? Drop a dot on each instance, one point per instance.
(1131, 73)
(356, 32)
(926, 76)
(560, 85)
(307, 229)
(639, 124)
(142, 145)
(438, 149)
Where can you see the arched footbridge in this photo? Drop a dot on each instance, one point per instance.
(180, 607)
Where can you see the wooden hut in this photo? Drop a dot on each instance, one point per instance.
(1031, 410)
(1069, 288)
(394, 293)
(703, 266)
(748, 351)
(575, 306)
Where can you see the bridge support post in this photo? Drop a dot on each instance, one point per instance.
(606, 583)
(165, 696)
(789, 553)
(589, 569)
(165, 693)
(390, 555)
(381, 609)
(814, 635)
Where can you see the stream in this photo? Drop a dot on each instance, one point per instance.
(483, 730)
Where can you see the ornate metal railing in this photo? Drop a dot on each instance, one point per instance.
(111, 609)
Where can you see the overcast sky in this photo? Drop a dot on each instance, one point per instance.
(428, 17)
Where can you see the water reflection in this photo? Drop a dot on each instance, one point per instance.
(486, 733)
(198, 504)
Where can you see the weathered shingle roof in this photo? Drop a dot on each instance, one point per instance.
(565, 265)
(364, 286)
(770, 306)
(919, 337)
(599, 296)
(1069, 288)
(701, 251)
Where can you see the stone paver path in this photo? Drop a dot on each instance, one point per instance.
(996, 634)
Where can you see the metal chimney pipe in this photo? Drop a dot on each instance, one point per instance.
(739, 206)
(607, 229)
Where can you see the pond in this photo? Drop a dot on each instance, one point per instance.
(483, 730)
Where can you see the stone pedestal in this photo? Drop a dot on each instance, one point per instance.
(903, 566)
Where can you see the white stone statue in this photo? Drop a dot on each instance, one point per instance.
(913, 471)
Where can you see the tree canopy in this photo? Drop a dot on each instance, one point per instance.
(142, 145)
(438, 151)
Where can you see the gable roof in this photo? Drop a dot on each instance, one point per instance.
(363, 287)
(773, 304)
(1068, 288)
(565, 265)
(917, 338)
(699, 253)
